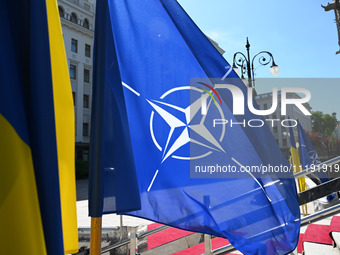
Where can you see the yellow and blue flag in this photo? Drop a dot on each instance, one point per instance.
(147, 120)
(296, 164)
(37, 190)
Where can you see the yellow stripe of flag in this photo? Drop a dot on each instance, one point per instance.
(65, 130)
(297, 168)
(20, 219)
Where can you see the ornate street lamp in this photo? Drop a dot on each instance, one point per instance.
(247, 65)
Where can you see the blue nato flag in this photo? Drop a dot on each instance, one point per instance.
(309, 157)
(149, 53)
(308, 154)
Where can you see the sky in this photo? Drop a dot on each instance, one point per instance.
(301, 36)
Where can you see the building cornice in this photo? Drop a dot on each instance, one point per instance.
(77, 28)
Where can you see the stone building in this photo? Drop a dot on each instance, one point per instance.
(77, 21)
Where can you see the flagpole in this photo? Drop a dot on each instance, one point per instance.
(96, 190)
(302, 184)
(96, 231)
(295, 161)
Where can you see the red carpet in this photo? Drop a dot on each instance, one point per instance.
(300, 243)
(199, 249)
(335, 225)
(164, 236)
(316, 233)
(172, 234)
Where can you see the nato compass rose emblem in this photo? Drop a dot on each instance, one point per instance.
(183, 120)
(314, 157)
(186, 124)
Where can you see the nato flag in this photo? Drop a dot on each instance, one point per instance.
(152, 51)
(309, 156)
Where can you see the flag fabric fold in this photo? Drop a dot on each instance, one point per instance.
(152, 122)
(113, 185)
(65, 128)
(35, 97)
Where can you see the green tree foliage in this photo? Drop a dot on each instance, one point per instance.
(317, 125)
(329, 123)
(323, 123)
(326, 146)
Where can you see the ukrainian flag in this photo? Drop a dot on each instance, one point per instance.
(37, 179)
(297, 166)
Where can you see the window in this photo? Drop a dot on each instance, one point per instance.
(74, 97)
(86, 101)
(284, 142)
(73, 72)
(86, 75)
(87, 50)
(74, 18)
(86, 23)
(85, 129)
(74, 45)
(61, 12)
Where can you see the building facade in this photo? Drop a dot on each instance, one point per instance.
(281, 133)
(77, 21)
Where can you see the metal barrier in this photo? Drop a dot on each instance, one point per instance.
(319, 191)
(116, 245)
(85, 233)
(317, 167)
(153, 231)
(133, 243)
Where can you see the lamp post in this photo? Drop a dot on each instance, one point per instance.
(247, 65)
